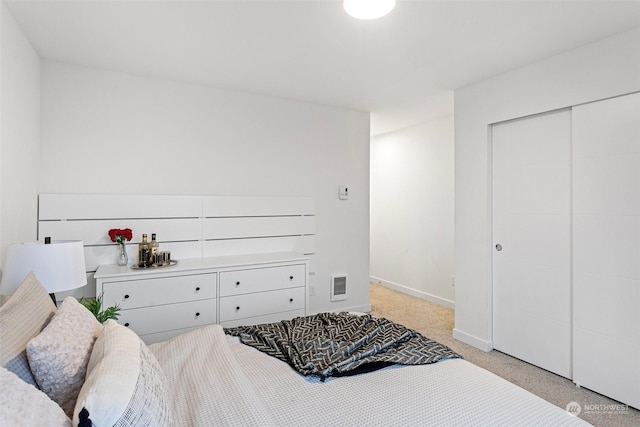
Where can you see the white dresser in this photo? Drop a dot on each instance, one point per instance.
(231, 290)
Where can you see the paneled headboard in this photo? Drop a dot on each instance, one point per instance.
(188, 226)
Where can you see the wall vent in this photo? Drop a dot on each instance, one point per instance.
(338, 287)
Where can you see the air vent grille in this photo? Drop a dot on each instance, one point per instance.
(338, 287)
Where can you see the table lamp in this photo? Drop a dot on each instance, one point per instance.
(58, 265)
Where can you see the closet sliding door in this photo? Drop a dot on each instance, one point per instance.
(532, 239)
(566, 256)
(606, 247)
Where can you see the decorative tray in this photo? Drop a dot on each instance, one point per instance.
(154, 266)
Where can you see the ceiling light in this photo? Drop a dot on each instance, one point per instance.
(368, 9)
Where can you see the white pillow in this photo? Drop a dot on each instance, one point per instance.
(22, 404)
(59, 355)
(125, 384)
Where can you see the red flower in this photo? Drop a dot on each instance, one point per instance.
(119, 236)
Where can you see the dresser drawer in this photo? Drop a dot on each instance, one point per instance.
(157, 291)
(261, 303)
(261, 279)
(160, 318)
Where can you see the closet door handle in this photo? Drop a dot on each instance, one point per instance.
(498, 247)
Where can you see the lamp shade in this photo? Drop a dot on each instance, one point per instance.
(59, 266)
(368, 9)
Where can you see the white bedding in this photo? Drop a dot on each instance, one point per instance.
(216, 380)
(206, 384)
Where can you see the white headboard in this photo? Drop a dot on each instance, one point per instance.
(188, 226)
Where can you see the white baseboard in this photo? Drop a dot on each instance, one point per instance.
(414, 293)
(478, 343)
(364, 308)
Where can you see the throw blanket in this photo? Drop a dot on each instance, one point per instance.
(337, 344)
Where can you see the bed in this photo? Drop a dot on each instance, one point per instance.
(207, 377)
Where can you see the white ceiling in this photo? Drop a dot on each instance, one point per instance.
(402, 68)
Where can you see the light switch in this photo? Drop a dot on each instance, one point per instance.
(343, 192)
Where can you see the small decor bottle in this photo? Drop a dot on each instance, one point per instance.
(144, 252)
(155, 250)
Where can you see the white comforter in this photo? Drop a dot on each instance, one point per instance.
(207, 385)
(216, 380)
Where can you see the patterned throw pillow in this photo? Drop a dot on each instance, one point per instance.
(22, 317)
(59, 355)
(125, 384)
(22, 404)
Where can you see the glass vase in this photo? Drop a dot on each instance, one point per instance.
(122, 258)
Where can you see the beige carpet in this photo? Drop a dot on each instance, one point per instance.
(436, 322)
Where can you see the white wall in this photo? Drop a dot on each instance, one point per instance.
(412, 181)
(109, 132)
(19, 135)
(604, 69)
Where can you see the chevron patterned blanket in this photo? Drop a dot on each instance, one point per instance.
(339, 344)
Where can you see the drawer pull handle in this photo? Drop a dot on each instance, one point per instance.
(290, 277)
(197, 314)
(126, 296)
(238, 308)
(290, 299)
(126, 324)
(198, 288)
(237, 283)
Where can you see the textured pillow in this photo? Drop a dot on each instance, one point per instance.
(22, 317)
(59, 355)
(22, 404)
(125, 384)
